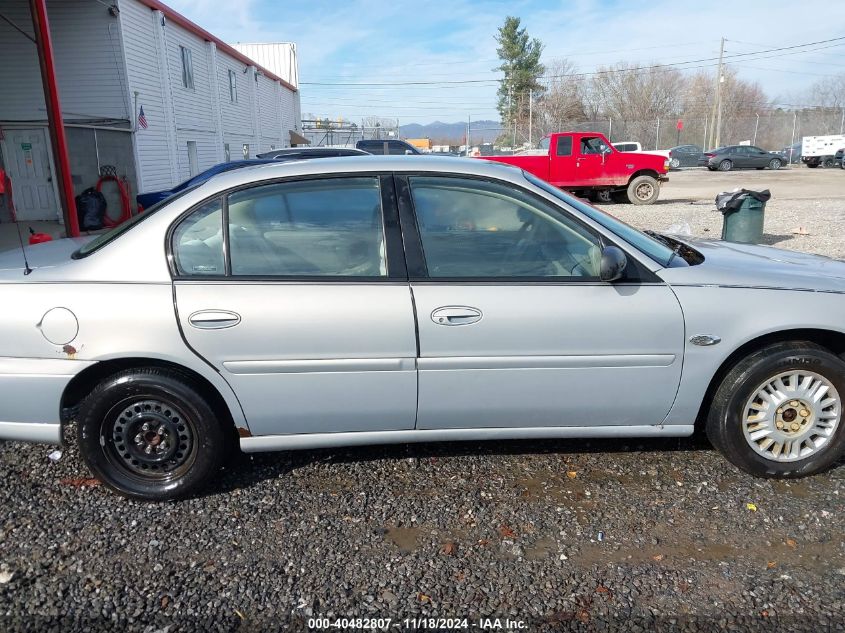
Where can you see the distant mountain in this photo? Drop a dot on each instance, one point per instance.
(452, 133)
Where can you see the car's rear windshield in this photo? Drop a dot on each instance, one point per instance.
(656, 250)
(109, 236)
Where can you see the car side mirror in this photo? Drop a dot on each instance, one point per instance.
(613, 262)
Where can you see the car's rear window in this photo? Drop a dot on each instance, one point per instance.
(109, 236)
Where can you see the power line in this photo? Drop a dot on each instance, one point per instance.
(753, 54)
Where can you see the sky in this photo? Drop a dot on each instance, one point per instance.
(402, 41)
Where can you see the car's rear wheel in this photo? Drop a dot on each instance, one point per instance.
(774, 163)
(778, 412)
(643, 190)
(150, 434)
(726, 165)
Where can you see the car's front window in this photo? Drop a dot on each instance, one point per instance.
(655, 249)
(475, 229)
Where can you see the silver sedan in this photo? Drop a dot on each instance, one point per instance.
(373, 300)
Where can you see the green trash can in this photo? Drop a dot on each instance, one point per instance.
(743, 212)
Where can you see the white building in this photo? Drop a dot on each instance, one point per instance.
(203, 101)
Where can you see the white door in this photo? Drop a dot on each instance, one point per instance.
(27, 158)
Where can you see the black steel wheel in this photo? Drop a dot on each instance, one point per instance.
(150, 434)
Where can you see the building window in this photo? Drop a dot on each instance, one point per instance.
(193, 161)
(187, 68)
(233, 87)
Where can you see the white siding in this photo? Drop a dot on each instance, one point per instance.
(237, 117)
(269, 114)
(88, 56)
(145, 77)
(191, 105)
(278, 57)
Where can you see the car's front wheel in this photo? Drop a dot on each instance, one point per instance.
(643, 190)
(778, 412)
(150, 434)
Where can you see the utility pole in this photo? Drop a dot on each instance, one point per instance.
(794, 123)
(719, 96)
(842, 122)
(756, 125)
(609, 129)
(657, 136)
(716, 97)
(469, 143)
(530, 118)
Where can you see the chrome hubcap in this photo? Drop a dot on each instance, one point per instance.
(791, 416)
(152, 438)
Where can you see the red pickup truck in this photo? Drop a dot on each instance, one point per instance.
(586, 163)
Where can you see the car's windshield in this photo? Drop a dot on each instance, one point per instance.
(656, 250)
(109, 236)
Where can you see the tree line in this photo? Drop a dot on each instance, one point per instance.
(630, 102)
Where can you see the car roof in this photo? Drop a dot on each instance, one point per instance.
(366, 164)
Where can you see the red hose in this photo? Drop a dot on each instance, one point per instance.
(124, 202)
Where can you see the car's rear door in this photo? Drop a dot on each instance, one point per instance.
(302, 303)
(515, 328)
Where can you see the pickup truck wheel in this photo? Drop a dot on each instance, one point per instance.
(828, 162)
(726, 165)
(150, 434)
(778, 412)
(643, 190)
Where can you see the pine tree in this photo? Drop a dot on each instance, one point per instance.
(520, 57)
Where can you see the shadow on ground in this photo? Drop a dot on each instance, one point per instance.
(245, 470)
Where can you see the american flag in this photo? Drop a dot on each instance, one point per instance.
(142, 119)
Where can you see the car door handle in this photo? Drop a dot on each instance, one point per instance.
(214, 319)
(456, 315)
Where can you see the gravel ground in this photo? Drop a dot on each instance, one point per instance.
(557, 536)
(823, 219)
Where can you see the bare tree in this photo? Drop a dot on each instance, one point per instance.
(635, 98)
(562, 103)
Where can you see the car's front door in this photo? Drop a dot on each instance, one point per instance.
(302, 304)
(515, 328)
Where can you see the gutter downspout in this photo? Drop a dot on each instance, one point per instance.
(58, 139)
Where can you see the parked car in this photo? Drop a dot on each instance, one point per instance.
(387, 146)
(685, 156)
(839, 158)
(740, 157)
(146, 200)
(381, 300)
(586, 164)
(302, 153)
(149, 199)
(791, 154)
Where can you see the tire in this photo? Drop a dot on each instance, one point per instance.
(117, 436)
(812, 165)
(620, 197)
(725, 165)
(601, 196)
(727, 425)
(674, 163)
(827, 163)
(842, 164)
(774, 164)
(643, 190)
